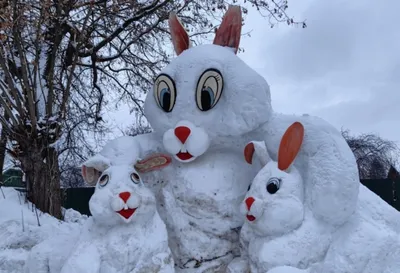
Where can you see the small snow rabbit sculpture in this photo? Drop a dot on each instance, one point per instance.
(279, 227)
(282, 235)
(127, 234)
(274, 204)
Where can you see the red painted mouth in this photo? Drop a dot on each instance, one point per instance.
(126, 213)
(251, 218)
(184, 156)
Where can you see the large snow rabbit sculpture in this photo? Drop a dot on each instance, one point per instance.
(200, 109)
(206, 106)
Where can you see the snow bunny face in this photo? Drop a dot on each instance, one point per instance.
(273, 205)
(206, 93)
(120, 195)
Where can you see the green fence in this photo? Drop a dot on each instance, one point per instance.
(78, 199)
(385, 189)
(388, 190)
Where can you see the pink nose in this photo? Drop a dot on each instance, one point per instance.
(182, 133)
(125, 196)
(249, 201)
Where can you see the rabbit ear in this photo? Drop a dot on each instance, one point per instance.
(180, 38)
(93, 167)
(259, 148)
(290, 145)
(228, 33)
(153, 162)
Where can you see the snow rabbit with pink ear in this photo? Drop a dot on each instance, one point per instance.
(125, 232)
(281, 235)
(279, 228)
(207, 104)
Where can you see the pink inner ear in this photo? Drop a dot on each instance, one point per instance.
(153, 162)
(180, 38)
(249, 152)
(84, 172)
(228, 34)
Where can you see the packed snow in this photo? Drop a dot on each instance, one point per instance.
(22, 227)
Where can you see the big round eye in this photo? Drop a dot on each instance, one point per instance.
(135, 178)
(103, 180)
(165, 92)
(209, 89)
(273, 185)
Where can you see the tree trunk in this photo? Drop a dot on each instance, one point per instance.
(43, 179)
(3, 143)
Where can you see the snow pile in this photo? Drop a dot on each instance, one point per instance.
(20, 232)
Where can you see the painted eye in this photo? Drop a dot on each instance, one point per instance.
(209, 89)
(135, 178)
(103, 180)
(249, 187)
(273, 185)
(165, 92)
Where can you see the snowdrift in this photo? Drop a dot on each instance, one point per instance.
(20, 231)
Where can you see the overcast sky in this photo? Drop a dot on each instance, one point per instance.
(344, 67)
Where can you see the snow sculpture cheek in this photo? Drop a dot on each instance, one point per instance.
(117, 204)
(282, 216)
(134, 201)
(186, 141)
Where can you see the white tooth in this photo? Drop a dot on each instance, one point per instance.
(183, 149)
(125, 207)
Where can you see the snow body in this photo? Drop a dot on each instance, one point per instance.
(125, 232)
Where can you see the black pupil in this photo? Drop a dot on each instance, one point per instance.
(272, 188)
(166, 101)
(103, 178)
(205, 100)
(249, 188)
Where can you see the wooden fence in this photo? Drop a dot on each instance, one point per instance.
(388, 190)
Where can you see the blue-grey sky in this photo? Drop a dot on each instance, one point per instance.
(344, 67)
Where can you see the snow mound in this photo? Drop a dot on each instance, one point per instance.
(22, 227)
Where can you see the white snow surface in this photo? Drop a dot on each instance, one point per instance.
(20, 232)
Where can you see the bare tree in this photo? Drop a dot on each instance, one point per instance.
(374, 155)
(62, 62)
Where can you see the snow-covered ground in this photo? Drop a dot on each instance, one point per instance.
(22, 227)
